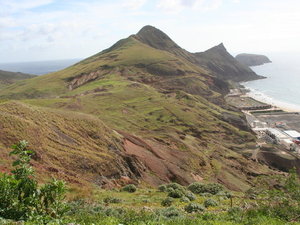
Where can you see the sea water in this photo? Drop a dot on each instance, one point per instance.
(38, 68)
(282, 84)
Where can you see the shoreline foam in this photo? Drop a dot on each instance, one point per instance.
(259, 96)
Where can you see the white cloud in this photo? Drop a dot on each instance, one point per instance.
(179, 5)
(13, 6)
(6, 22)
(134, 4)
(82, 28)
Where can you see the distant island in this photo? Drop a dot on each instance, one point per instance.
(252, 59)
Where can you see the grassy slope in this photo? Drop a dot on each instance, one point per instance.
(131, 53)
(81, 140)
(7, 78)
(128, 96)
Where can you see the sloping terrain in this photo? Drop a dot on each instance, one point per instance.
(162, 111)
(224, 65)
(215, 60)
(252, 59)
(7, 78)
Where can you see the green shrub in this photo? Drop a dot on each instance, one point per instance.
(194, 207)
(198, 188)
(184, 199)
(170, 212)
(114, 212)
(20, 196)
(214, 188)
(224, 194)
(235, 210)
(112, 200)
(130, 188)
(176, 186)
(210, 202)
(162, 188)
(205, 194)
(175, 194)
(174, 190)
(190, 196)
(167, 202)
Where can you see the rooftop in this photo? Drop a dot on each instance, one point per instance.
(278, 133)
(292, 133)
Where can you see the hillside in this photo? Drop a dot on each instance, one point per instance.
(215, 60)
(163, 114)
(224, 65)
(252, 59)
(7, 78)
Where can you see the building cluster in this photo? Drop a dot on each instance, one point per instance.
(278, 135)
(289, 138)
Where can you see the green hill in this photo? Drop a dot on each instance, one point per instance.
(7, 78)
(165, 111)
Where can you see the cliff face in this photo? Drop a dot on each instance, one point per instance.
(252, 59)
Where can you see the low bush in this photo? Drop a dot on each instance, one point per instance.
(131, 188)
(167, 202)
(210, 202)
(194, 207)
(112, 200)
(198, 188)
(175, 193)
(205, 194)
(170, 212)
(184, 199)
(190, 196)
(162, 188)
(224, 194)
(176, 186)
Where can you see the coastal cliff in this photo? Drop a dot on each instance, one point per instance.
(252, 59)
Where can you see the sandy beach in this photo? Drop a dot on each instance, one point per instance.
(275, 103)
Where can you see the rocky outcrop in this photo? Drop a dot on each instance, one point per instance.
(83, 78)
(252, 59)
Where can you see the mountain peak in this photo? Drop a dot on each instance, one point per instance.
(219, 47)
(155, 38)
(148, 29)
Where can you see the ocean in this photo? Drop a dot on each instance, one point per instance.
(282, 85)
(38, 68)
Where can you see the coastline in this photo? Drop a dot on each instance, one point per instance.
(259, 96)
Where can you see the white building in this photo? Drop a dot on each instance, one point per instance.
(259, 124)
(277, 134)
(292, 133)
(289, 144)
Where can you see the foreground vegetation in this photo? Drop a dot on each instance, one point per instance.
(22, 199)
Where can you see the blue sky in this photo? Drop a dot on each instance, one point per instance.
(33, 30)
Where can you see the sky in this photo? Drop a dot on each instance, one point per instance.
(36, 30)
